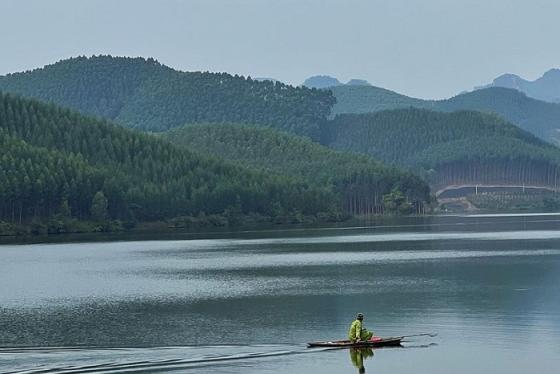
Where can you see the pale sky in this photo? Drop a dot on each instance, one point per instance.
(422, 48)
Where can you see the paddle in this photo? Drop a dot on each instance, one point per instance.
(430, 334)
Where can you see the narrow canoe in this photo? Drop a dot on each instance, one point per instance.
(383, 342)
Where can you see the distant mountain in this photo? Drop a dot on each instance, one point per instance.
(350, 177)
(144, 94)
(325, 81)
(321, 81)
(448, 148)
(546, 88)
(538, 117)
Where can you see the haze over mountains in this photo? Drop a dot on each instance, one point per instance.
(546, 88)
(231, 146)
(513, 99)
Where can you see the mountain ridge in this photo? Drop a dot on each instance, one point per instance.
(545, 88)
(327, 81)
(145, 94)
(538, 117)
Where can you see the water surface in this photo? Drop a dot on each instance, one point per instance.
(247, 302)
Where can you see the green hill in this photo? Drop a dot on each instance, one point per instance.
(537, 117)
(55, 161)
(358, 181)
(147, 95)
(448, 148)
(144, 94)
(368, 99)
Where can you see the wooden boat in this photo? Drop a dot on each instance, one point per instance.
(381, 342)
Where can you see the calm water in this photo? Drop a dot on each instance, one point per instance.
(248, 302)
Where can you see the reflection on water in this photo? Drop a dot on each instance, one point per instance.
(357, 357)
(249, 304)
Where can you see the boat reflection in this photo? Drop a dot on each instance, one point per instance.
(358, 355)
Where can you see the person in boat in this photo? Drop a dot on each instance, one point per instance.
(358, 332)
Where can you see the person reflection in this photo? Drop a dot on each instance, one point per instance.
(358, 355)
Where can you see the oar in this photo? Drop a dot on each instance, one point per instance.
(430, 334)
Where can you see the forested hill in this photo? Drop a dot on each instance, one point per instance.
(58, 162)
(537, 117)
(144, 94)
(368, 99)
(448, 148)
(147, 95)
(359, 183)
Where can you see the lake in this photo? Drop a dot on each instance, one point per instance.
(247, 302)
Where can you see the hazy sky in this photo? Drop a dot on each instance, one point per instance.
(424, 48)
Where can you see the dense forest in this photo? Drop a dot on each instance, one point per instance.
(537, 117)
(58, 163)
(144, 94)
(147, 95)
(55, 161)
(242, 153)
(448, 148)
(363, 185)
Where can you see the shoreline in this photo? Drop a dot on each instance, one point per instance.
(162, 231)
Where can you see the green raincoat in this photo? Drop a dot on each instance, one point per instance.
(358, 332)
